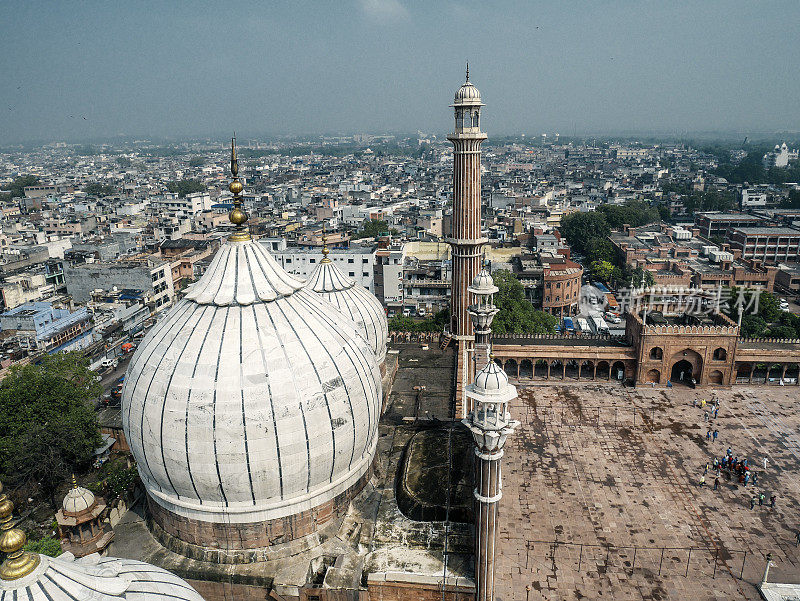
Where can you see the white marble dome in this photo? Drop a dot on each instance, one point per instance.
(65, 578)
(354, 302)
(252, 399)
(78, 499)
(491, 379)
(483, 283)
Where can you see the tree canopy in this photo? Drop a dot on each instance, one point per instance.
(97, 189)
(48, 426)
(17, 187)
(372, 228)
(751, 169)
(581, 228)
(400, 323)
(634, 213)
(186, 186)
(517, 315)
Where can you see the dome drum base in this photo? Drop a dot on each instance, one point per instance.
(231, 543)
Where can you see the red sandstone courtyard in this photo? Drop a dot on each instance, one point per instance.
(601, 496)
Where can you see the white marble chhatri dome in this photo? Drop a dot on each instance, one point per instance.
(252, 400)
(96, 578)
(353, 301)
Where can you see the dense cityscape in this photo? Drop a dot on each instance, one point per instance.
(545, 348)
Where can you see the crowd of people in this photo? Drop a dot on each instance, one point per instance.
(729, 466)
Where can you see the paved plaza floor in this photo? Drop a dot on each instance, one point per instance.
(601, 495)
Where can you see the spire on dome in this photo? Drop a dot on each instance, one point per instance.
(325, 249)
(237, 216)
(18, 563)
(467, 80)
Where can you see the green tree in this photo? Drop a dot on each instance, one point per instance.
(17, 187)
(97, 189)
(791, 320)
(580, 228)
(769, 308)
(779, 331)
(197, 162)
(793, 200)
(603, 271)
(46, 545)
(186, 186)
(516, 314)
(753, 326)
(372, 228)
(634, 213)
(124, 162)
(48, 426)
(600, 249)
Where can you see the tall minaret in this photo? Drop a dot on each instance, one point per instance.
(466, 239)
(490, 422)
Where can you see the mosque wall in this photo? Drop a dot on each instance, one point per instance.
(247, 542)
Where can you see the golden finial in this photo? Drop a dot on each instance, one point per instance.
(74, 481)
(325, 249)
(237, 216)
(18, 563)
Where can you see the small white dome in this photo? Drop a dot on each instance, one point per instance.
(483, 283)
(355, 302)
(491, 379)
(253, 399)
(78, 499)
(65, 578)
(467, 92)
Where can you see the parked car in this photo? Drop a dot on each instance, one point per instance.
(109, 362)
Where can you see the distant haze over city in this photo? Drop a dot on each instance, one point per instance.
(94, 71)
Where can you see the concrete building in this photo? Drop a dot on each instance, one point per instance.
(42, 327)
(149, 275)
(358, 263)
(716, 224)
(173, 205)
(771, 245)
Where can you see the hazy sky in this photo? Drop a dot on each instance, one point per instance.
(80, 70)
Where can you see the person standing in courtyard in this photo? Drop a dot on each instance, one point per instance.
(716, 483)
(765, 463)
(761, 499)
(752, 502)
(702, 481)
(716, 433)
(772, 501)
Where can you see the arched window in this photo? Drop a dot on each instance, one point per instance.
(475, 119)
(720, 354)
(656, 353)
(459, 118)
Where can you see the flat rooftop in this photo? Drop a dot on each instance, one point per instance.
(598, 504)
(768, 231)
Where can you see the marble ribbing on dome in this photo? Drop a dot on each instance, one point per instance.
(242, 274)
(491, 378)
(245, 405)
(78, 499)
(355, 302)
(65, 578)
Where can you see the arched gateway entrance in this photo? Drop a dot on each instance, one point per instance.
(686, 364)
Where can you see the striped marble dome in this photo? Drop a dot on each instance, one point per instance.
(65, 578)
(355, 302)
(252, 400)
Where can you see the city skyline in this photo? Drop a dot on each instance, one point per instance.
(98, 72)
